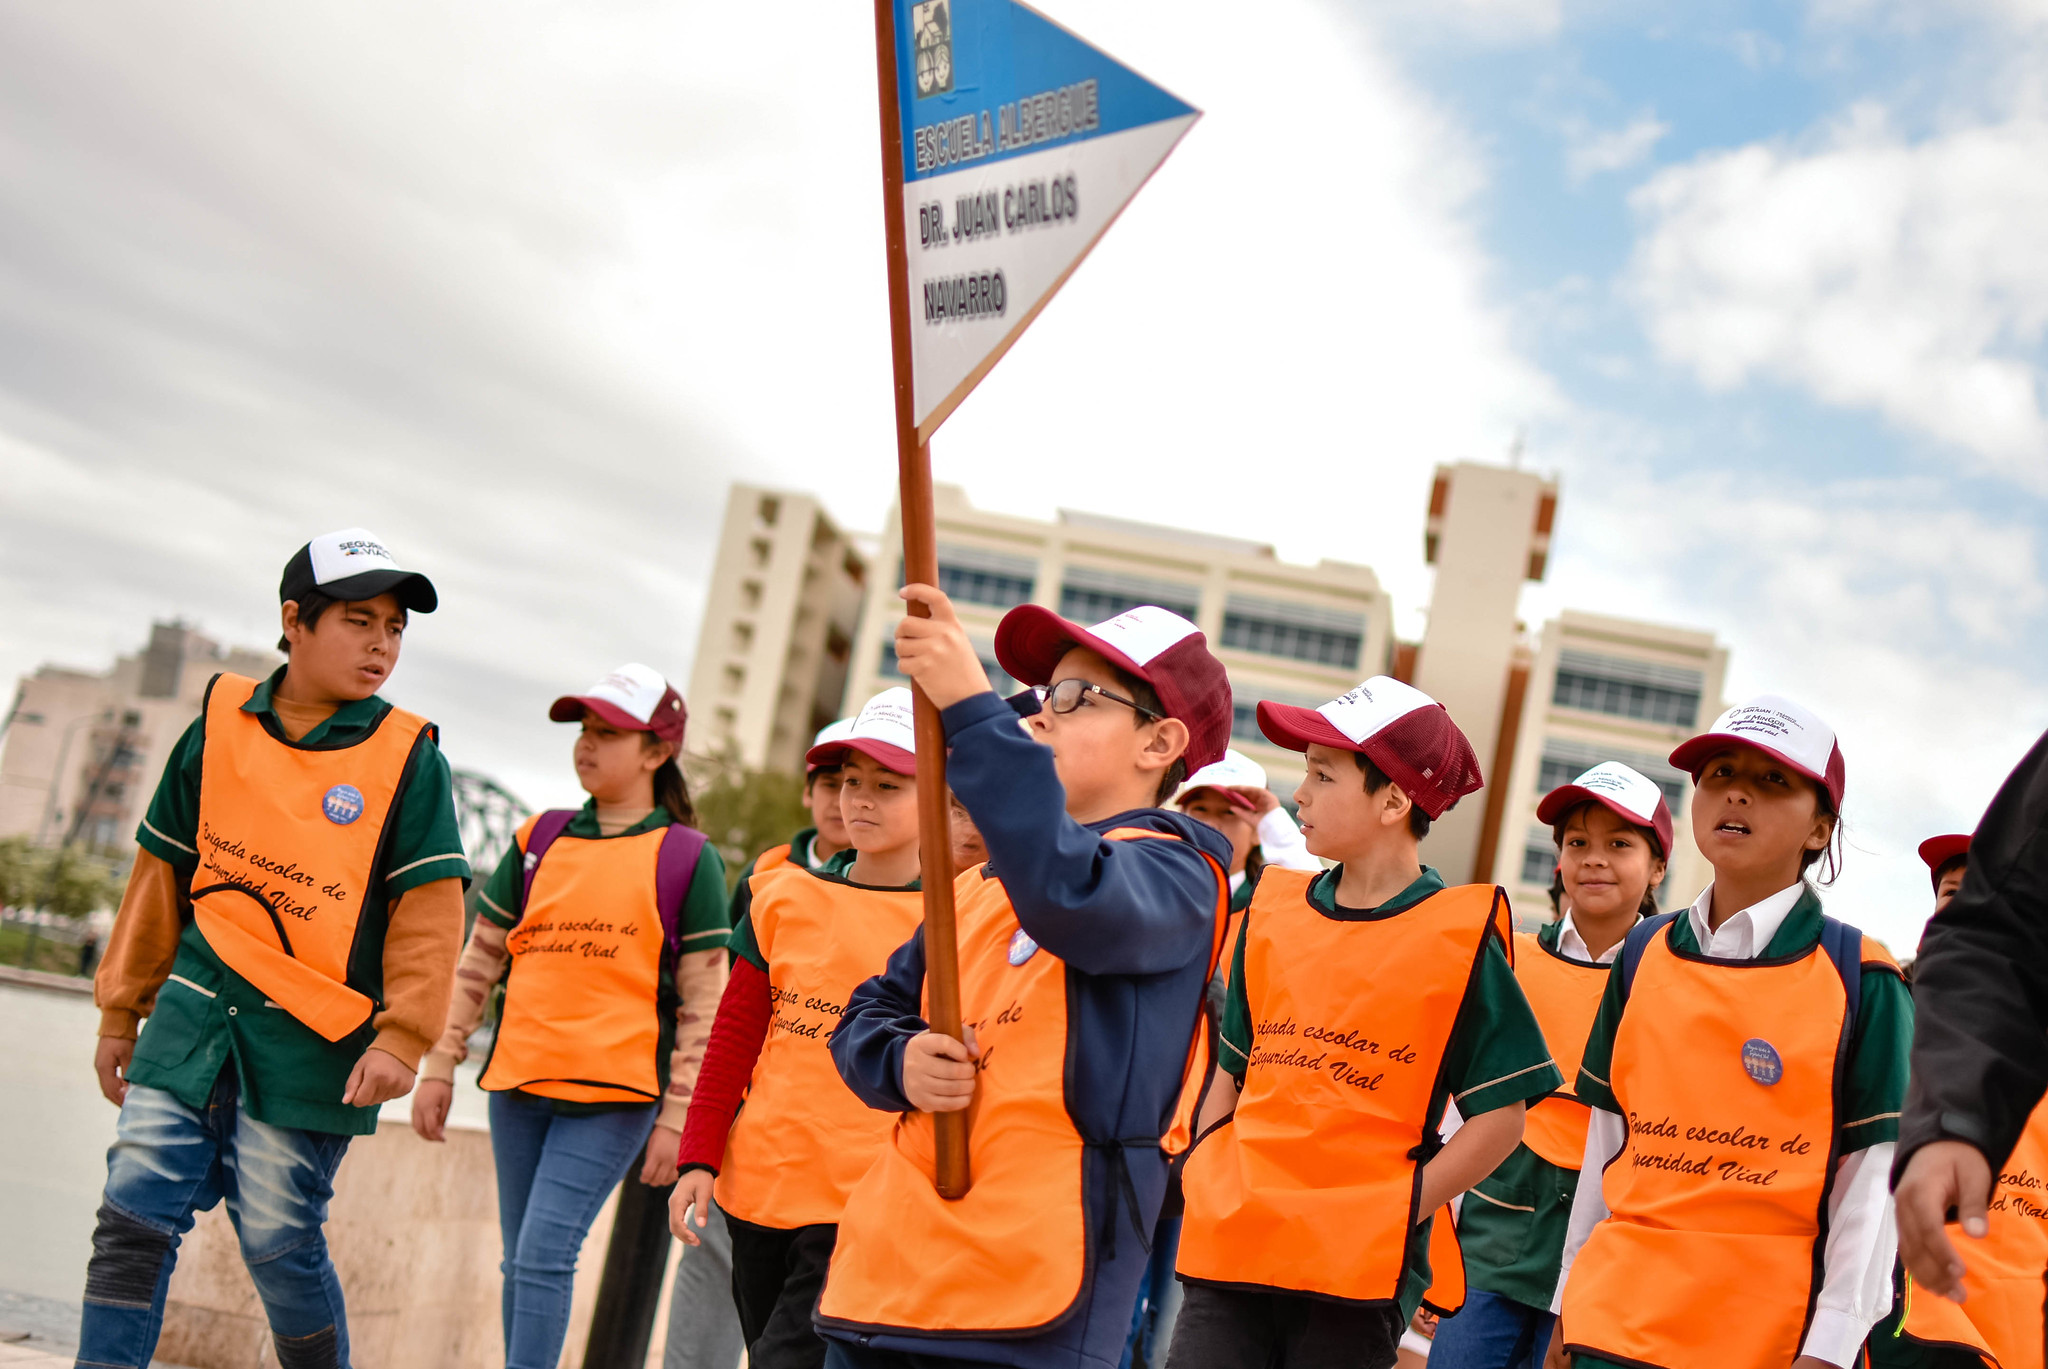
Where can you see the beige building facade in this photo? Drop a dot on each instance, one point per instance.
(777, 636)
(83, 749)
(1299, 634)
(1605, 689)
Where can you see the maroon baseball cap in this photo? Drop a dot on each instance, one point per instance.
(1161, 648)
(1400, 729)
(634, 697)
(1781, 729)
(1939, 851)
(885, 730)
(1626, 792)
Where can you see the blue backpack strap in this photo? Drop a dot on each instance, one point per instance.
(546, 828)
(1844, 945)
(674, 869)
(1635, 943)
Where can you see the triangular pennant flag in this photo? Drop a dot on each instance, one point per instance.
(1021, 145)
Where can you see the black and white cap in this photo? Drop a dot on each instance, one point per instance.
(353, 565)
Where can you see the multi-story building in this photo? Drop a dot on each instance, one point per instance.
(1603, 689)
(779, 620)
(83, 749)
(1299, 634)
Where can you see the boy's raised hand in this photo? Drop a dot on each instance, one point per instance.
(935, 651)
(938, 1071)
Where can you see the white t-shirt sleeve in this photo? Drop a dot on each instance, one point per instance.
(1605, 1133)
(1280, 842)
(1856, 1264)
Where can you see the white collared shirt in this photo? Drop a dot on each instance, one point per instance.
(1863, 1238)
(1570, 943)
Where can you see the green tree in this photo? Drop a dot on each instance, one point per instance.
(744, 811)
(79, 883)
(22, 872)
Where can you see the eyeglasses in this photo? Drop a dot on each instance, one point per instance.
(1064, 696)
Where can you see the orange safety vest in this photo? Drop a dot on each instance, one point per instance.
(2002, 1318)
(1312, 1185)
(591, 957)
(1730, 1081)
(774, 858)
(289, 843)
(1565, 996)
(803, 1139)
(1012, 1255)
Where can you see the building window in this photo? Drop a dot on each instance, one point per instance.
(1565, 759)
(1088, 595)
(1627, 688)
(999, 679)
(969, 585)
(1539, 860)
(1299, 632)
(1244, 711)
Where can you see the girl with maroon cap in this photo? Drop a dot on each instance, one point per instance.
(607, 926)
(1613, 831)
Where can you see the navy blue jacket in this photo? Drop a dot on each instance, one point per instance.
(1134, 923)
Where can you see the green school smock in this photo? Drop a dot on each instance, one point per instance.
(1874, 1091)
(1512, 1223)
(206, 1014)
(702, 926)
(1496, 1054)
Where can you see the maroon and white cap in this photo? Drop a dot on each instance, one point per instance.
(885, 730)
(1616, 787)
(830, 732)
(1403, 731)
(633, 697)
(1782, 730)
(1234, 772)
(1939, 851)
(1161, 648)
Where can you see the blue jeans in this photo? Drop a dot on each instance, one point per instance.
(170, 1162)
(1492, 1332)
(554, 1172)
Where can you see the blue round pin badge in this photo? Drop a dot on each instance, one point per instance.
(343, 804)
(1022, 947)
(1760, 1061)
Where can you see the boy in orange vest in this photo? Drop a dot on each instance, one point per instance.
(1362, 1000)
(1745, 1073)
(1999, 1323)
(784, 1162)
(290, 932)
(1085, 944)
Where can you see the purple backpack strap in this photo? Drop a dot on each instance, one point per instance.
(546, 828)
(674, 869)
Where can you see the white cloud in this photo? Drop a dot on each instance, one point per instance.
(1879, 272)
(523, 288)
(1591, 151)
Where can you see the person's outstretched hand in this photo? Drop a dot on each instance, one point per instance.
(692, 1191)
(1942, 1176)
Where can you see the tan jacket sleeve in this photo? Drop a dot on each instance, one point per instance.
(141, 949)
(482, 965)
(421, 942)
(700, 983)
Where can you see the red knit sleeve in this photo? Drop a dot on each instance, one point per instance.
(737, 1035)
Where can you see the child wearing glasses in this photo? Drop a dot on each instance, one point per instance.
(1085, 944)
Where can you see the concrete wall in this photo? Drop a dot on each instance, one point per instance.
(414, 1234)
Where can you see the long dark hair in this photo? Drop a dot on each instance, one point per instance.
(1829, 856)
(671, 790)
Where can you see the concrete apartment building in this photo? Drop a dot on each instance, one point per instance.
(1300, 634)
(1538, 709)
(772, 652)
(83, 749)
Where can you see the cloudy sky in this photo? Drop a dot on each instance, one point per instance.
(523, 286)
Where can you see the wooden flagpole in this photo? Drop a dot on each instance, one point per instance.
(920, 566)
